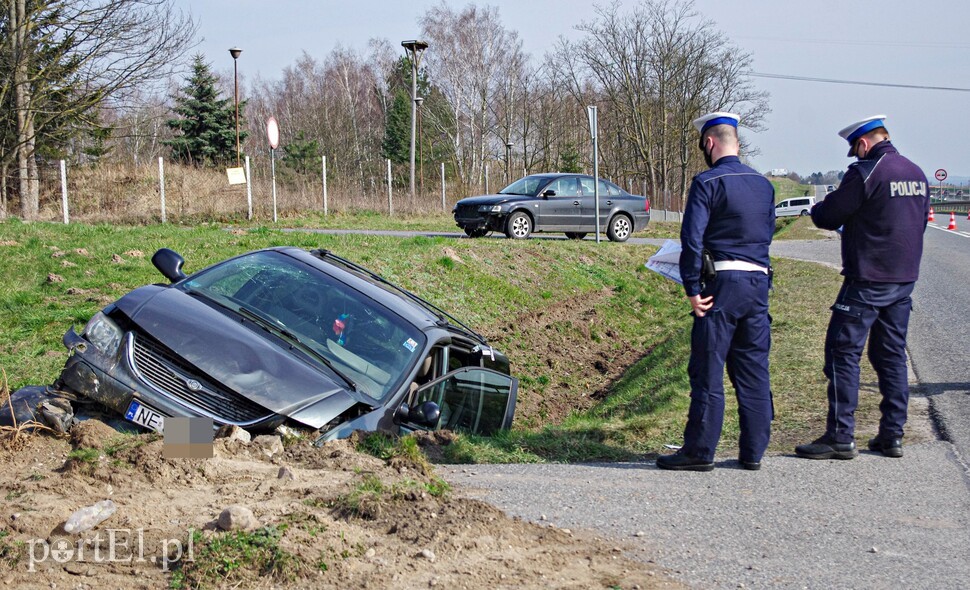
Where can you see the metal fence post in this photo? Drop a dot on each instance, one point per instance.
(161, 186)
(249, 192)
(443, 206)
(64, 191)
(390, 200)
(324, 186)
(486, 179)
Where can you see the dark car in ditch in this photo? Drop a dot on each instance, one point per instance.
(286, 336)
(554, 203)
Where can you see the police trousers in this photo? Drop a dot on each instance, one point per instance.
(735, 332)
(879, 312)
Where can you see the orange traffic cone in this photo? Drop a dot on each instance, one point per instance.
(953, 221)
(931, 218)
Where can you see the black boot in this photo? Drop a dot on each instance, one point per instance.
(825, 447)
(681, 461)
(890, 446)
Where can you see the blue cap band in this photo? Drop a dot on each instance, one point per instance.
(865, 129)
(719, 121)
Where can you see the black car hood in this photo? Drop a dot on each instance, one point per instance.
(495, 199)
(234, 355)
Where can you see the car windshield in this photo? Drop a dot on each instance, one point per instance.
(366, 342)
(529, 185)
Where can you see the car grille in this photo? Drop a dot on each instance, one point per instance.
(467, 212)
(172, 377)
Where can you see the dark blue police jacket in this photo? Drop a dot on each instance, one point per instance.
(731, 212)
(882, 205)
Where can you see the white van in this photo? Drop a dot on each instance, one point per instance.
(797, 206)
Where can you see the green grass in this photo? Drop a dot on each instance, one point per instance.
(799, 228)
(236, 556)
(508, 290)
(786, 188)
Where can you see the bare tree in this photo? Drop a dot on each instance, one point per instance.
(471, 58)
(70, 58)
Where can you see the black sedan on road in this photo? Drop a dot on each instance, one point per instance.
(285, 336)
(554, 203)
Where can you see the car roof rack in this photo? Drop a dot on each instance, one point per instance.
(444, 317)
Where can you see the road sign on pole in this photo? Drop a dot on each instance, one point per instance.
(941, 175)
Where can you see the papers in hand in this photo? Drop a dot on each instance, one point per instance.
(666, 261)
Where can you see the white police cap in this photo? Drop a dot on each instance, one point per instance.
(709, 120)
(859, 128)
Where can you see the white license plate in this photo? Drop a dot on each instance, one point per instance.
(142, 415)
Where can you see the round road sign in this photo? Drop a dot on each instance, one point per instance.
(273, 132)
(941, 175)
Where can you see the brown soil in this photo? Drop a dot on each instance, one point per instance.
(403, 537)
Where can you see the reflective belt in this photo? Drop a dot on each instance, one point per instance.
(738, 265)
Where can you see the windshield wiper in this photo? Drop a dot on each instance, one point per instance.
(280, 329)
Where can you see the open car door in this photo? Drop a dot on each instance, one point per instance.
(474, 400)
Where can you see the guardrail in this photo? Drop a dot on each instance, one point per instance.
(661, 215)
(948, 206)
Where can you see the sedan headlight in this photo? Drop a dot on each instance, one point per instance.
(103, 333)
(490, 209)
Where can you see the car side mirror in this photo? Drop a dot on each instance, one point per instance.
(169, 263)
(426, 414)
(548, 193)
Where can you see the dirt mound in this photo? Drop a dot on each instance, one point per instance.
(331, 517)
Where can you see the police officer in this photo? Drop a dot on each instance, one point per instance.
(730, 213)
(882, 205)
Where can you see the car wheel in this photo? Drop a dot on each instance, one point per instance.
(803, 213)
(518, 226)
(574, 235)
(620, 228)
(478, 232)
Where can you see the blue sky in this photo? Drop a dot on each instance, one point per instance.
(892, 41)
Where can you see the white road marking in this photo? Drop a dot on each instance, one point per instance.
(954, 232)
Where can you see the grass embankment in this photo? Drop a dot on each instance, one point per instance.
(785, 188)
(546, 303)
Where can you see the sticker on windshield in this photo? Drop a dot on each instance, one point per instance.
(410, 344)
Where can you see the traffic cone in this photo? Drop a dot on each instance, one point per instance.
(931, 218)
(968, 214)
(953, 221)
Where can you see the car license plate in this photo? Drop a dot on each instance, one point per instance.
(144, 416)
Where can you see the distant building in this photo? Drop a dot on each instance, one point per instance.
(778, 172)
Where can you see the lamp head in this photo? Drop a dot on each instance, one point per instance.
(234, 52)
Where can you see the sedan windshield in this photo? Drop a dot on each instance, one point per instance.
(363, 341)
(529, 185)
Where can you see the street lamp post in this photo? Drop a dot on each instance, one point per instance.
(419, 100)
(508, 161)
(414, 49)
(234, 52)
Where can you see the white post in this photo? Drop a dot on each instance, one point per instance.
(272, 160)
(443, 206)
(161, 185)
(594, 133)
(249, 192)
(324, 186)
(486, 179)
(390, 201)
(64, 191)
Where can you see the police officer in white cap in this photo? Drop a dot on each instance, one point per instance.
(882, 204)
(730, 219)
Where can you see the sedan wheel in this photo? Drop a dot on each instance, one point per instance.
(479, 232)
(518, 226)
(620, 228)
(572, 235)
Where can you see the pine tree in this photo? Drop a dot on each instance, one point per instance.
(206, 124)
(301, 154)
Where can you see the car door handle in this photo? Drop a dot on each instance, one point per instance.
(575, 202)
(609, 202)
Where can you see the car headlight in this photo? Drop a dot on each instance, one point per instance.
(103, 333)
(490, 209)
